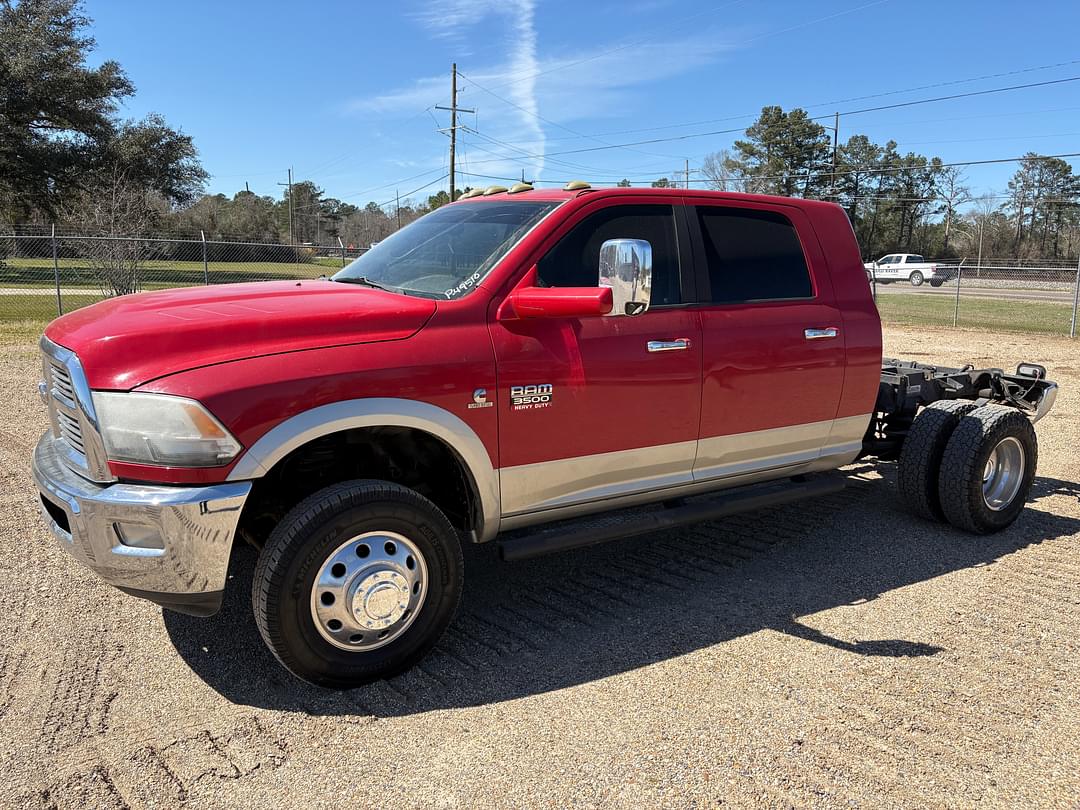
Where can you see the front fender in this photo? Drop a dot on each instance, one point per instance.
(309, 425)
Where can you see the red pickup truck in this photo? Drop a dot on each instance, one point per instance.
(552, 368)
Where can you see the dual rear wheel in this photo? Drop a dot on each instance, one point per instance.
(972, 466)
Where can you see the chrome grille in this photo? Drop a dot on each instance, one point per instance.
(70, 430)
(71, 411)
(61, 382)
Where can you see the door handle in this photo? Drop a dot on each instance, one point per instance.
(668, 345)
(820, 334)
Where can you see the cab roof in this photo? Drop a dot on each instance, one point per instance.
(561, 195)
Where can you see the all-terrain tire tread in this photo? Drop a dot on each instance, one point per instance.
(920, 458)
(272, 564)
(960, 479)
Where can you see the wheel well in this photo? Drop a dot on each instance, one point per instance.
(406, 456)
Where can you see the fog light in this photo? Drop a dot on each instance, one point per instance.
(135, 535)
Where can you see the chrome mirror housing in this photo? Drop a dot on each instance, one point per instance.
(626, 267)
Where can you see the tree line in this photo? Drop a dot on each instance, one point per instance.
(905, 202)
(66, 157)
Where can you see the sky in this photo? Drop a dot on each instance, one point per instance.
(344, 93)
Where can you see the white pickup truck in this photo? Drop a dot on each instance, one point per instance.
(907, 267)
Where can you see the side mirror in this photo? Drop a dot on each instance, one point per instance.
(560, 302)
(626, 268)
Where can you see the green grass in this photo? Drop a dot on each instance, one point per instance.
(22, 272)
(24, 317)
(980, 313)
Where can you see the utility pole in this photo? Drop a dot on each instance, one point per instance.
(688, 173)
(397, 208)
(835, 143)
(454, 110)
(292, 241)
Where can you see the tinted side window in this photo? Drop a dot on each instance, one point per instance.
(915, 259)
(575, 260)
(752, 256)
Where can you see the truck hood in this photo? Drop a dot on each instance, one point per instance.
(127, 341)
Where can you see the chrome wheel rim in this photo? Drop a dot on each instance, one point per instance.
(369, 591)
(1003, 474)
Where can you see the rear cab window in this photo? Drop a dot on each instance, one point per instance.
(751, 255)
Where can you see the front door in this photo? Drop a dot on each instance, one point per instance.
(773, 342)
(599, 407)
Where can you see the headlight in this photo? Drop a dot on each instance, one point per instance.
(162, 430)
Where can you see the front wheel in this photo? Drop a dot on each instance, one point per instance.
(916, 279)
(357, 583)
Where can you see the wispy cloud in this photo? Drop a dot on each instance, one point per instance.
(524, 66)
(450, 19)
(561, 89)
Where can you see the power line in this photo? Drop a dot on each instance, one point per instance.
(549, 122)
(397, 197)
(870, 170)
(834, 102)
(378, 188)
(969, 94)
(523, 153)
(688, 136)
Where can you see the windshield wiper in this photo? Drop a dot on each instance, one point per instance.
(367, 282)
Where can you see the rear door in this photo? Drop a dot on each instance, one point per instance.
(601, 407)
(773, 363)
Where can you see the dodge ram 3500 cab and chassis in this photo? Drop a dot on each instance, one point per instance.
(514, 359)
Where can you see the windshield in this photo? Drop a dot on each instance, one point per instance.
(448, 252)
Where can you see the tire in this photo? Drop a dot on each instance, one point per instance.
(937, 282)
(328, 533)
(916, 279)
(920, 457)
(992, 430)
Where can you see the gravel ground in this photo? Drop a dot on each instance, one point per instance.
(834, 653)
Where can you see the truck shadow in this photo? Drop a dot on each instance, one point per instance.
(550, 623)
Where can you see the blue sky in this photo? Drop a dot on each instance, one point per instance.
(343, 91)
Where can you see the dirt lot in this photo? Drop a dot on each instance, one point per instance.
(836, 653)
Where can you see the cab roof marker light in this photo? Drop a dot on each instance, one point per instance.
(576, 185)
(494, 190)
(517, 188)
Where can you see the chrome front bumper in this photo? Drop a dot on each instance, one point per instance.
(167, 544)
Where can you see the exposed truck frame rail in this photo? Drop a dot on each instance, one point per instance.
(907, 386)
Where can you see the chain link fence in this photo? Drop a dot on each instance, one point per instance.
(999, 294)
(48, 274)
(44, 274)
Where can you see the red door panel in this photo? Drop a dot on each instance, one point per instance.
(603, 415)
(609, 393)
(769, 392)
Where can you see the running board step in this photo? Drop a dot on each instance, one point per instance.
(596, 529)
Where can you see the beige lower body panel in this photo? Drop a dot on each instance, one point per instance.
(565, 481)
(564, 488)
